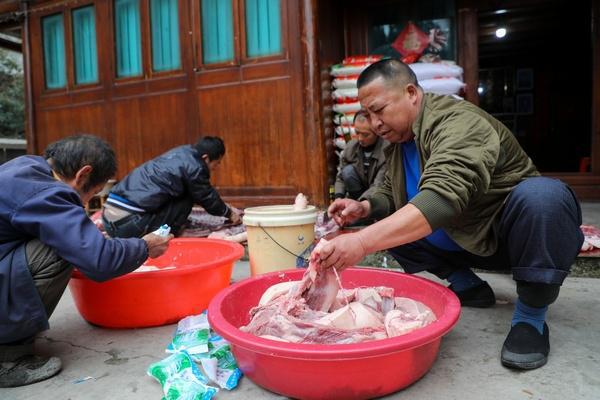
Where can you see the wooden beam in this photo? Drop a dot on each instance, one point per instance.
(468, 52)
(9, 6)
(30, 127)
(10, 45)
(315, 137)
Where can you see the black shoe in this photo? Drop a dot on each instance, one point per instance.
(27, 370)
(525, 347)
(480, 296)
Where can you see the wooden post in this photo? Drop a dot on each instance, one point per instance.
(30, 133)
(468, 52)
(312, 101)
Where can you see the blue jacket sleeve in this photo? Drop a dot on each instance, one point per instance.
(57, 218)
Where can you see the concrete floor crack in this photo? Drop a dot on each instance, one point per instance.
(51, 340)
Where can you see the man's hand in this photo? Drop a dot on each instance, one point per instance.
(347, 211)
(343, 251)
(157, 245)
(235, 217)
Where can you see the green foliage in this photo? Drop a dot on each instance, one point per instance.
(12, 93)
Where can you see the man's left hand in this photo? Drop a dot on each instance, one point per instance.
(342, 252)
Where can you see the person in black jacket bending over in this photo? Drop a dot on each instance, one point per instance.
(163, 190)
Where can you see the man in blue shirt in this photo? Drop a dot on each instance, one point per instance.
(461, 193)
(44, 232)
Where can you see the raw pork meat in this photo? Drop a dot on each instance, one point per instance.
(592, 238)
(318, 310)
(301, 202)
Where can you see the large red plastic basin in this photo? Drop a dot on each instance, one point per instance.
(346, 371)
(159, 297)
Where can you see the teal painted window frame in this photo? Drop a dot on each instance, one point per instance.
(217, 20)
(264, 28)
(85, 54)
(53, 42)
(128, 38)
(164, 27)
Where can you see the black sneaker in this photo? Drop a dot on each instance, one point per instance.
(27, 370)
(480, 296)
(525, 347)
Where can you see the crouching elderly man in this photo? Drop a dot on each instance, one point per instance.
(44, 232)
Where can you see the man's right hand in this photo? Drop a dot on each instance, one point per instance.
(157, 245)
(347, 211)
(235, 216)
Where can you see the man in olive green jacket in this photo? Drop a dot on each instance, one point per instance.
(460, 192)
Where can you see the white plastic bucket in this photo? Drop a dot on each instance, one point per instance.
(277, 236)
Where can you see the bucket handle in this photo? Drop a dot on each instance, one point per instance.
(279, 244)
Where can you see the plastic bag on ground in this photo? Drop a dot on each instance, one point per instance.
(181, 379)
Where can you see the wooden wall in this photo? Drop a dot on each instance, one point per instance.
(274, 113)
(266, 109)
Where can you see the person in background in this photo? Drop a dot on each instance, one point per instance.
(164, 189)
(362, 163)
(44, 232)
(460, 192)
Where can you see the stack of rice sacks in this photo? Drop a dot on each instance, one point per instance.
(443, 77)
(345, 96)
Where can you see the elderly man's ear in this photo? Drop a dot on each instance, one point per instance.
(79, 183)
(82, 176)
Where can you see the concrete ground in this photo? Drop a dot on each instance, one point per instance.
(467, 367)
(103, 363)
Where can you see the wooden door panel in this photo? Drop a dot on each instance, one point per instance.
(254, 119)
(57, 123)
(129, 139)
(146, 127)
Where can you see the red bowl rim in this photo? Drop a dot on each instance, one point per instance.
(236, 254)
(417, 338)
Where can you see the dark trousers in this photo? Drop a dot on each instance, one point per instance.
(539, 239)
(174, 214)
(354, 185)
(50, 273)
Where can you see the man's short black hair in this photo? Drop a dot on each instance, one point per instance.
(212, 146)
(392, 71)
(72, 153)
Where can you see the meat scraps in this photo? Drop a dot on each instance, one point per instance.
(592, 238)
(318, 310)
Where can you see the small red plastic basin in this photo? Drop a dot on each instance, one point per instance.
(345, 371)
(159, 297)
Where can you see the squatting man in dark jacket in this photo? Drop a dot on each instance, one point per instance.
(362, 163)
(164, 189)
(460, 193)
(44, 232)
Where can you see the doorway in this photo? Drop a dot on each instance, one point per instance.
(535, 75)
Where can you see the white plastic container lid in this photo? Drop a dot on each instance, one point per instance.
(283, 215)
